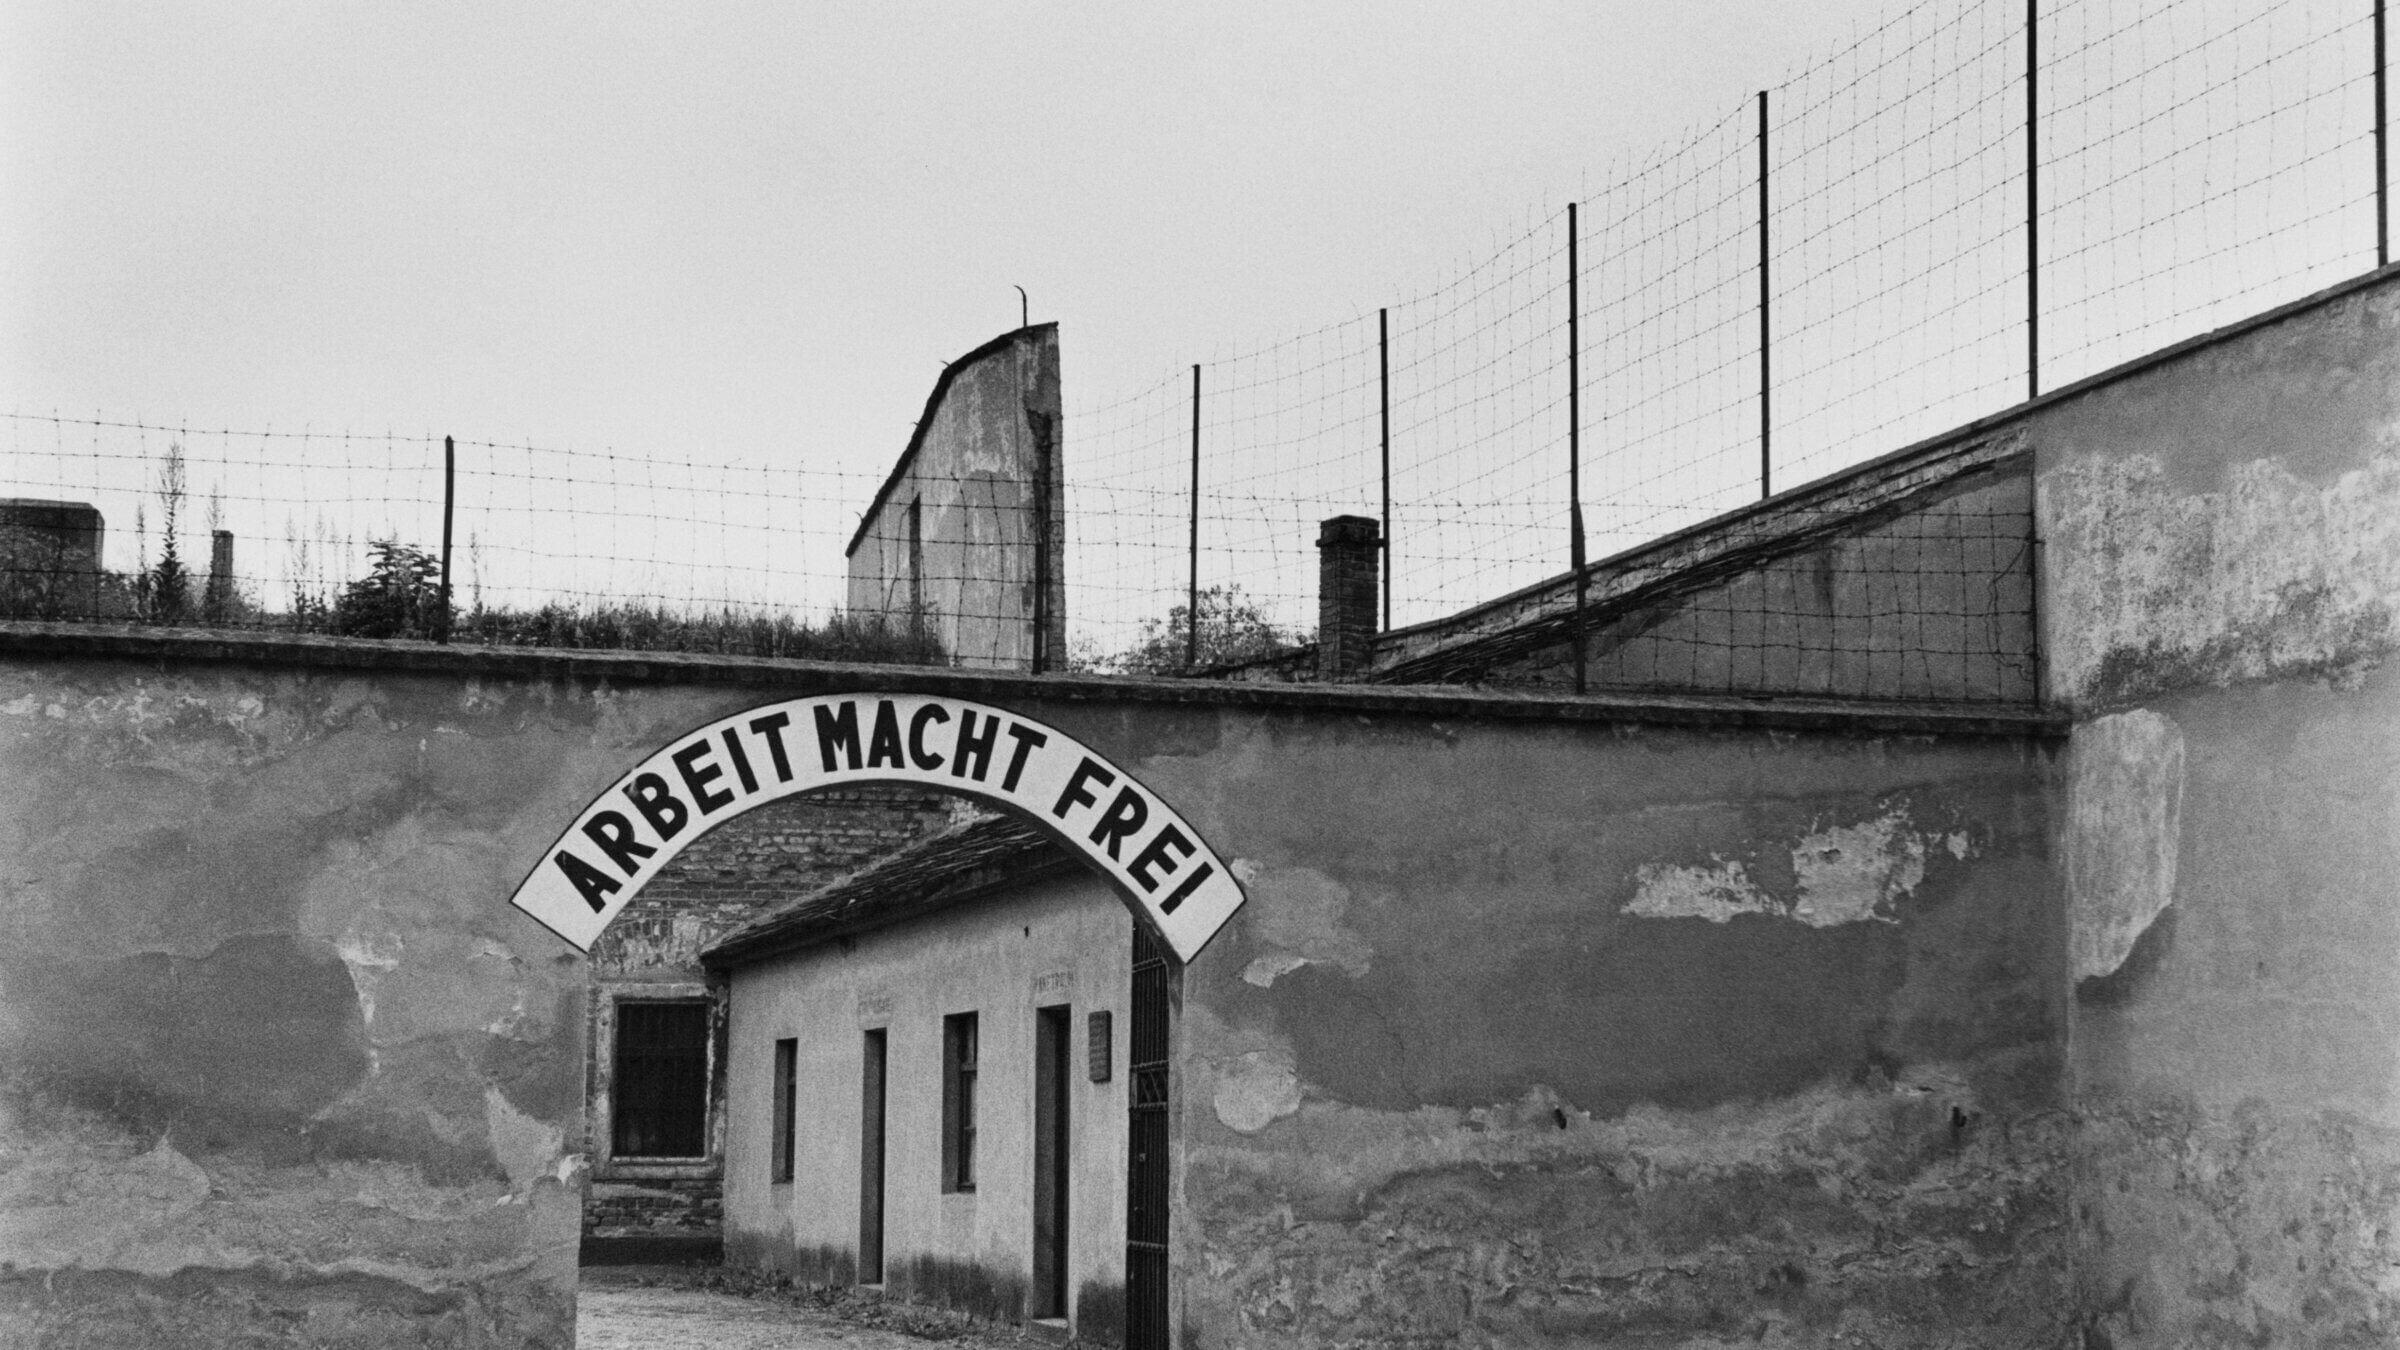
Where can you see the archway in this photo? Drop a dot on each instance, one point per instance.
(1157, 862)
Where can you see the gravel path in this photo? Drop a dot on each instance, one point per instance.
(616, 1310)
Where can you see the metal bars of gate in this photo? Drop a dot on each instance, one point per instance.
(1146, 1162)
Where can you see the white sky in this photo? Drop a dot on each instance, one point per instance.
(675, 239)
(754, 231)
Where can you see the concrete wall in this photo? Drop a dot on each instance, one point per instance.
(280, 1063)
(651, 1210)
(50, 555)
(1060, 941)
(277, 1063)
(983, 474)
(1610, 1036)
(2223, 541)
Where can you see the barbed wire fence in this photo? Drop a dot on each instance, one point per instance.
(1964, 205)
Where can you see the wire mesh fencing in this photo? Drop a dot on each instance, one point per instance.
(1966, 204)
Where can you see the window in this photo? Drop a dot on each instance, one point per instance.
(787, 1062)
(661, 1087)
(958, 1102)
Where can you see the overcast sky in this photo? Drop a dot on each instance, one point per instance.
(753, 231)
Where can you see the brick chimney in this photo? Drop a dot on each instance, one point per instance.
(1349, 558)
(217, 597)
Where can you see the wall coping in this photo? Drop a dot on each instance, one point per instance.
(28, 639)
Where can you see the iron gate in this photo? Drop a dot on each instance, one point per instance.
(1146, 1162)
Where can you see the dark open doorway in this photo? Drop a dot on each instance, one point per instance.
(870, 1158)
(1051, 1166)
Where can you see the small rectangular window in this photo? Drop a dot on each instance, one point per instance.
(661, 1090)
(787, 1063)
(958, 1102)
(1100, 1044)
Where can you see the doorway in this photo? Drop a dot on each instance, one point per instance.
(870, 1158)
(1050, 1161)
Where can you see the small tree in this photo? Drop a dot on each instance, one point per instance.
(400, 596)
(1232, 628)
(162, 591)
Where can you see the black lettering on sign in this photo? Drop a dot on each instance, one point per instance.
(1190, 884)
(1154, 854)
(697, 776)
(917, 753)
(590, 881)
(883, 743)
(973, 748)
(614, 834)
(660, 807)
(1123, 817)
(837, 731)
(771, 727)
(741, 760)
(1086, 772)
(1027, 739)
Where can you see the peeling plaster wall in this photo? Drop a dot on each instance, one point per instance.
(277, 1063)
(281, 1064)
(1581, 1035)
(2223, 556)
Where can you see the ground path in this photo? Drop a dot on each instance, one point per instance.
(631, 1308)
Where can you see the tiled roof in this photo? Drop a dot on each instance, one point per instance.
(958, 864)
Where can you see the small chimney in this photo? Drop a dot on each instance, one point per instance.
(217, 597)
(1349, 557)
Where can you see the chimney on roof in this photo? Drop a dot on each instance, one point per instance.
(1349, 558)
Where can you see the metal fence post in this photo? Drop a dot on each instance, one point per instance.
(2383, 195)
(449, 503)
(1575, 448)
(1383, 385)
(1766, 420)
(2033, 208)
(1191, 612)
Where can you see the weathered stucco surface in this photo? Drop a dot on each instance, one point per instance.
(2232, 514)
(2223, 558)
(1499, 1090)
(278, 1065)
(1058, 942)
(984, 485)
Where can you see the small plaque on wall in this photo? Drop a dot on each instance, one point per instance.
(1100, 1045)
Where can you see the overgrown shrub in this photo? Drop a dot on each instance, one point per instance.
(400, 596)
(1232, 629)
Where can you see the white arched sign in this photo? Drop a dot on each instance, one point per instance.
(631, 831)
